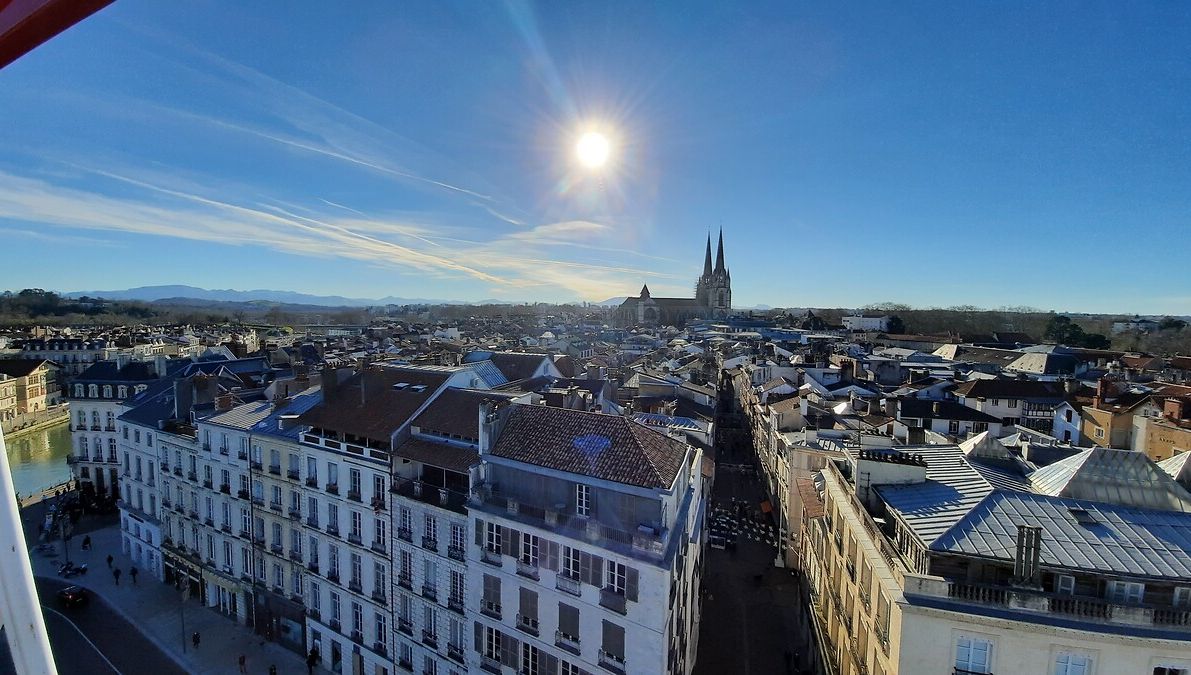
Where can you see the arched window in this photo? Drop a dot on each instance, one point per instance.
(82, 419)
(111, 449)
(95, 419)
(111, 426)
(107, 391)
(78, 391)
(98, 449)
(122, 391)
(93, 391)
(82, 446)
(140, 387)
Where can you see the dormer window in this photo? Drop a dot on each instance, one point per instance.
(583, 500)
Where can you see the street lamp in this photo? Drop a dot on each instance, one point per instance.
(182, 590)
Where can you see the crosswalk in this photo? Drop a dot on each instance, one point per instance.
(725, 523)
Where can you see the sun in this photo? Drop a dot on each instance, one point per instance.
(593, 149)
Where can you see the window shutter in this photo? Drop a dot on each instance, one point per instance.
(596, 572)
(514, 543)
(630, 584)
(479, 638)
(550, 555)
(479, 532)
(614, 639)
(509, 646)
(551, 663)
(529, 604)
(568, 619)
(491, 589)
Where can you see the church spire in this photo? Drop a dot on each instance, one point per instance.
(707, 258)
(719, 254)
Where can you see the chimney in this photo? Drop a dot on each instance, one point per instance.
(593, 371)
(160, 365)
(122, 359)
(1026, 570)
(330, 382)
(936, 408)
(1173, 408)
(1070, 386)
(223, 402)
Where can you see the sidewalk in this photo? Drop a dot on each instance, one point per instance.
(157, 610)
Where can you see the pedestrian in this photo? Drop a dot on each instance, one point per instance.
(272, 669)
(243, 660)
(194, 639)
(87, 543)
(116, 575)
(110, 559)
(132, 573)
(311, 659)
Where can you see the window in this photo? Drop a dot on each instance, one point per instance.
(313, 541)
(316, 600)
(1126, 592)
(996, 401)
(357, 527)
(529, 549)
(530, 660)
(311, 469)
(430, 528)
(616, 576)
(332, 473)
(378, 486)
(583, 500)
(1170, 670)
(457, 585)
(428, 621)
(457, 536)
(227, 554)
(613, 642)
(430, 574)
(493, 541)
(333, 561)
(1099, 432)
(382, 629)
(570, 562)
(973, 655)
(335, 608)
(357, 569)
(1068, 663)
(1065, 584)
(379, 583)
(1012, 403)
(953, 427)
(357, 617)
(1182, 596)
(491, 600)
(353, 481)
(491, 643)
(379, 532)
(568, 621)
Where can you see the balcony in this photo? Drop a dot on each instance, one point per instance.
(312, 481)
(207, 483)
(380, 648)
(294, 513)
(568, 642)
(354, 538)
(259, 501)
(354, 495)
(429, 639)
(332, 489)
(644, 542)
(613, 600)
(431, 494)
(209, 522)
(455, 603)
(404, 534)
(334, 624)
(491, 557)
(206, 447)
(293, 474)
(611, 662)
(226, 528)
(457, 553)
(430, 592)
(568, 585)
(527, 624)
(240, 455)
(192, 475)
(312, 521)
(491, 609)
(378, 504)
(275, 469)
(355, 586)
(405, 626)
(256, 465)
(378, 596)
(276, 548)
(406, 581)
(455, 652)
(178, 471)
(295, 555)
(405, 664)
(490, 665)
(242, 494)
(527, 569)
(379, 547)
(333, 575)
(225, 488)
(312, 566)
(275, 506)
(430, 544)
(165, 468)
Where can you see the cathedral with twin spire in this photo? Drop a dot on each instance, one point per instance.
(713, 297)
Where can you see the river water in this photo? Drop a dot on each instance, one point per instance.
(38, 459)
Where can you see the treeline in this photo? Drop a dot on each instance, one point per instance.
(34, 306)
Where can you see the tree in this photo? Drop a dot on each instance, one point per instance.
(1170, 322)
(896, 325)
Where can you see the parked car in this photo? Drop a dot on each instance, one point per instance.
(74, 596)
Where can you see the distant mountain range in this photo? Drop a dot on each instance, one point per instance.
(175, 292)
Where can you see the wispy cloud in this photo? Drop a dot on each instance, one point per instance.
(55, 238)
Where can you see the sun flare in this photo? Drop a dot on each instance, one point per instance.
(593, 149)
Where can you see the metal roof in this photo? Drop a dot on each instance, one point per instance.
(1120, 477)
(262, 417)
(1077, 534)
(951, 489)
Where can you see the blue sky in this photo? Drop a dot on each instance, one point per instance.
(994, 154)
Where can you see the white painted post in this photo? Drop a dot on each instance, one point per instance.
(20, 610)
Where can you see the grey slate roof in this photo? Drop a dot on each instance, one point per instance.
(951, 489)
(261, 417)
(1123, 540)
(608, 447)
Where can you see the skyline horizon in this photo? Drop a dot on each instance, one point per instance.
(609, 301)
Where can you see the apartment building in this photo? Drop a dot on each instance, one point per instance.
(97, 397)
(586, 545)
(941, 559)
(73, 355)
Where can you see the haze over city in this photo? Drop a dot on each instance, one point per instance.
(918, 154)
